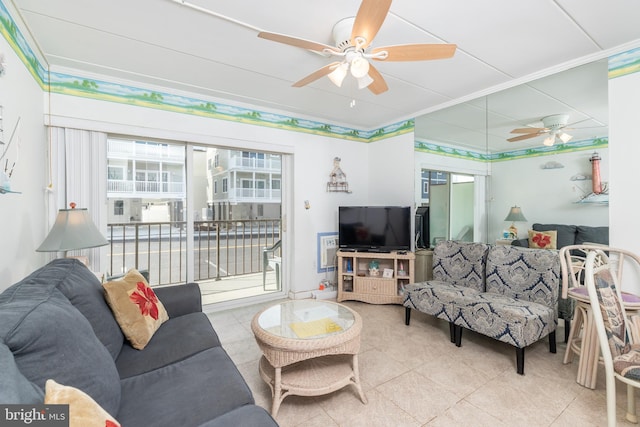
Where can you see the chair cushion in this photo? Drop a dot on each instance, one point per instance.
(516, 322)
(460, 263)
(435, 297)
(628, 364)
(524, 273)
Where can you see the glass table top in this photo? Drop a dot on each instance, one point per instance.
(306, 319)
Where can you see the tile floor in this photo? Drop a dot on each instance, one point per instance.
(414, 376)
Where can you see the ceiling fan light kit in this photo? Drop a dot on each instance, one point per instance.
(352, 37)
(553, 127)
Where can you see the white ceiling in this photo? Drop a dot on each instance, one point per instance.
(500, 43)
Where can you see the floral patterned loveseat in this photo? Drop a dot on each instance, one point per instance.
(507, 293)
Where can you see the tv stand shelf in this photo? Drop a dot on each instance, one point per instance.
(355, 281)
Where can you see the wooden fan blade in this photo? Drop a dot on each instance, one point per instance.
(416, 52)
(297, 42)
(379, 85)
(369, 19)
(529, 130)
(526, 136)
(316, 75)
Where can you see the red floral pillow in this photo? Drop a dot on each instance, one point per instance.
(543, 239)
(136, 308)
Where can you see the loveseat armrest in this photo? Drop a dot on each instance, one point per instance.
(179, 300)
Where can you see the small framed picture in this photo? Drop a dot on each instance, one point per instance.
(387, 273)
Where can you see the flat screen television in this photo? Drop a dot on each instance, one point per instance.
(374, 228)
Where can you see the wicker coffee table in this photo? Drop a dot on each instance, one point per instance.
(309, 348)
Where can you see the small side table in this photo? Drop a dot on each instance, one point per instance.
(310, 348)
(506, 242)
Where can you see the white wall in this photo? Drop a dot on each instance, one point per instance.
(22, 224)
(624, 105)
(545, 195)
(391, 174)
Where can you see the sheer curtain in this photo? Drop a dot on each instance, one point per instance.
(78, 174)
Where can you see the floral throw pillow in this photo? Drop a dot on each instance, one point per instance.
(543, 239)
(136, 307)
(83, 410)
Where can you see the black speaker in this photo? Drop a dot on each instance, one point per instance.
(422, 227)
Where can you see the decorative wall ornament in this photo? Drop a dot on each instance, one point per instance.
(337, 179)
(552, 165)
(6, 166)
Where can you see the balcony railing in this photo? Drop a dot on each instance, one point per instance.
(133, 187)
(221, 248)
(271, 164)
(129, 149)
(254, 193)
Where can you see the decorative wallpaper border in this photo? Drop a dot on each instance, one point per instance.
(624, 63)
(442, 150)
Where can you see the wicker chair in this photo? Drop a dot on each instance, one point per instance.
(582, 339)
(618, 335)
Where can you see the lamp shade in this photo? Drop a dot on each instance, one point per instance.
(73, 229)
(515, 214)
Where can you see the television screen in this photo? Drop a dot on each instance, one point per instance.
(374, 228)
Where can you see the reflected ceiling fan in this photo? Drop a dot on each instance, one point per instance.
(554, 127)
(353, 37)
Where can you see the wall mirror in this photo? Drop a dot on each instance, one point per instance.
(479, 129)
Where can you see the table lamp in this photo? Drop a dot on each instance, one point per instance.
(73, 229)
(515, 214)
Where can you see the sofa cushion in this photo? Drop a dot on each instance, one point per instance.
(460, 263)
(587, 234)
(566, 234)
(83, 410)
(203, 387)
(136, 307)
(516, 322)
(177, 339)
(543, 239)
(51, 339)
(14, 387)
(435, 297)
(83, 289)
(247, 415)
(524, 273)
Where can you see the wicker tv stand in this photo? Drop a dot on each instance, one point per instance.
(355, 281)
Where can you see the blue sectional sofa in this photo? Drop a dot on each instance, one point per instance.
(567, 235)
(55, 324)
(504, 292)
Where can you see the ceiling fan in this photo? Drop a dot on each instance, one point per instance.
(554, 127)
(353, 37)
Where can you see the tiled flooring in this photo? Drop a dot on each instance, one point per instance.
(414, 376)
